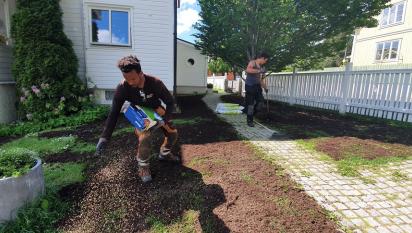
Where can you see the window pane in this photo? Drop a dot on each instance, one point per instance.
(399, 13)
(385, 17)
(100, 26)
(394, 50)
(120, 27)
(379, 51)
(3, 30)
(392, 15)
(386, 50)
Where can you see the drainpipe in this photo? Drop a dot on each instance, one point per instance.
(175, 50)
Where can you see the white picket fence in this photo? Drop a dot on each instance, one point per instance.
(221, 82)
(385, 93)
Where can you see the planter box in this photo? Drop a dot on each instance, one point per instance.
(15, 192)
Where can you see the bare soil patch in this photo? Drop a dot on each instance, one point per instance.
(221, 178)
(338, 135)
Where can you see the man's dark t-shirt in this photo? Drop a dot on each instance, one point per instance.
(152, 95)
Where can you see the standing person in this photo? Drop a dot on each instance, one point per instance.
(253, 86)
(141, 89)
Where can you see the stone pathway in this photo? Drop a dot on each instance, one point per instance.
(382, 206)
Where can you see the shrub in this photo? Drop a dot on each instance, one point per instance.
(16, 162)
(209, 85)
(45, 65)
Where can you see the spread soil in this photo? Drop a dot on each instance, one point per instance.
(221, 179)
(339, 136)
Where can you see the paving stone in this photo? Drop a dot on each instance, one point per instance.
(362, 213)
(384, 206)
(395, 229)
(349, 214)
(372, 222)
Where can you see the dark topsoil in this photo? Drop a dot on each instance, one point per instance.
(221, 178)
(373, 137)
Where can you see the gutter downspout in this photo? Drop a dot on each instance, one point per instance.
(175, 50)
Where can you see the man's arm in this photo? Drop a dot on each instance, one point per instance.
(250, 68)
(163, 93)
(118, 100)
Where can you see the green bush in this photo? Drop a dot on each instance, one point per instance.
(16, 162)
(45, 65)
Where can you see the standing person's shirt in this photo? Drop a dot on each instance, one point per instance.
(253, 78)
(152, 95)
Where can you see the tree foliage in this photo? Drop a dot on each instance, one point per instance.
(217, 65)
(45, 65)
(289, 30)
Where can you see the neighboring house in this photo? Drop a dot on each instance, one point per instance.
(191, 69)
(388, 43)
(103, 31)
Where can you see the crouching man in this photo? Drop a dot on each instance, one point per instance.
(144, 90)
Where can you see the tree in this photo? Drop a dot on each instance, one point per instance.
(289, 30)
(218, 66)
(45, 65)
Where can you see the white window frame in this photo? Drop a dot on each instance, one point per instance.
(110, 9)
(390, 49)
(394, 7)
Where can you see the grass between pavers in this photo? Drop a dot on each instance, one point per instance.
(351, 165)
(42, 214)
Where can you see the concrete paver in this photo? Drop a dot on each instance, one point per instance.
(383, 206)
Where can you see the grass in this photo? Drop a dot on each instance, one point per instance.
(185, 224)
(351, 165)
(248, 178)
(59, 175)
(192, 121)
(122, 131)
(81, 147)
(43, 214)
(399, 176)
(40, 145)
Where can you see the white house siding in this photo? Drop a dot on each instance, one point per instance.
(364, 46)
(73, 28)
(151, 37)
(190, 78)
(5, 63)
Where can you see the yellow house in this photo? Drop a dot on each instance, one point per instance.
(390, 42)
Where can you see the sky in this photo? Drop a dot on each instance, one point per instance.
(187, 16)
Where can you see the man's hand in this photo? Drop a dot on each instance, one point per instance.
(160, 110)
(101, 146)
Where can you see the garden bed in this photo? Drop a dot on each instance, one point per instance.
(223, 184)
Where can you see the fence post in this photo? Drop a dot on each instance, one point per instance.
(345, 87)
(292, 97)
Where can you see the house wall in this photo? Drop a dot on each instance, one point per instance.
(7, 85)
(73, 28)
(151, 38)
(364, 47)
(190, 78)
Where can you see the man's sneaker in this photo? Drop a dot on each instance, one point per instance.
(144, 174)
(168, 157)
(251, 124)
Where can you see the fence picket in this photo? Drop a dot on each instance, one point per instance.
(382, 93)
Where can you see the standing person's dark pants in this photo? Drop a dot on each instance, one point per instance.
(253, 99)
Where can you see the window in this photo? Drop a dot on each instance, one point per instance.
(393, 15)
(191, 61)
(110, 27)
(387, 50)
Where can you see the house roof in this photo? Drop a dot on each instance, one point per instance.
(186, 42)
